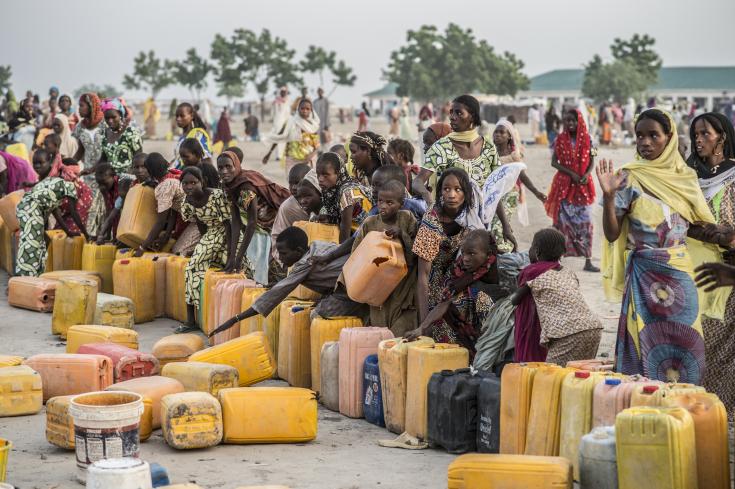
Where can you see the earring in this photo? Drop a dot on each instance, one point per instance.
(722, 144)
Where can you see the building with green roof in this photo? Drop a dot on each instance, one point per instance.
(704, 85)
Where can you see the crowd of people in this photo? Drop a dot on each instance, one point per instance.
(467, 282)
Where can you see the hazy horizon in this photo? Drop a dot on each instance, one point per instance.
(86, 41)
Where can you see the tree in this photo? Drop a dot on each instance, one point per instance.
(103, 91)
(438, 66)
(343, 76)
(5, 73)
(317, 60)
(227, 73)
(150, 73)
(192, 72)
(634, 69)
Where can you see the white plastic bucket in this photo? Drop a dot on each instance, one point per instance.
(106, 425)
(120, 473)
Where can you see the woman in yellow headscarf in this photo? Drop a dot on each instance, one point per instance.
(650, 208)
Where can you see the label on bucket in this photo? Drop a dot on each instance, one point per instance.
(98, 444)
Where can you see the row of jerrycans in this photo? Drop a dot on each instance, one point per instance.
(546, 410)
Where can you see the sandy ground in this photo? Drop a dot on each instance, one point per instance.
(345, 453)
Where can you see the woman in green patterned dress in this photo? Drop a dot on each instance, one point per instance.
(208, 208)
(121, 141)
(33, 211)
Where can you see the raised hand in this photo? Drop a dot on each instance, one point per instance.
(609, 180)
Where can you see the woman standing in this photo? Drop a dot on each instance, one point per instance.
(23, 124)
(463, 148)
(65, 109)
(207, 208)
(223, 134)
(69, 145)
(121, 141)
(151, 115)
(649, 208)
(438, 239)
(192, 126)
(89, 132)
(510, 150)
(572, 191)
(301, 135)
(713, 158)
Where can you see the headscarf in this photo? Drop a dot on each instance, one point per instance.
(224, 133)
(670, 180)
(70, 173)
(313, 180)
(292, 130)
(18, 171)
(118, 104)
(577, 158)
(96, 114)
(441, 129)
(69, 145)
(330, 196)
(694, 161)
(376, 143)
(516, 146)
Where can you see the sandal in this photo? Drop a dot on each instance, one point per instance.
(185, 328)
(404, 440)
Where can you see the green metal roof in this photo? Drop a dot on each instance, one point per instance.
(388, 90)
(673, 78)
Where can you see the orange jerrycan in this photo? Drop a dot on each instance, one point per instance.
(227, 302)
(8, 205)
(154, 388)
(355, 344)
(159, 272)
(33, 293)
(710, 431)
(133, 278)
(84, 334)
(542, 434)
(374, 269)
(294, 351)
(138, 216)
(175, 304)
(653, 393)
(321, 331)
(393, 366)
(64, 374)
(493, 471)
(257, 322)
(611, 396)
(423, 361)
(177, 347)
(99, 259)
(656, 449)
(206, 310)
(592, 365)
(516, 385)
(73, 253)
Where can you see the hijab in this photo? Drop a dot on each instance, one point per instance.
(95, 109)
(313, 180)
(516, 147)
(293, 129)
(18, 171)
(70, 173)
(69, 145)
(269, 193)
(224, 133)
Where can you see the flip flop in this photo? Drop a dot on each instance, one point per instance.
(405, 441)
(184, 328)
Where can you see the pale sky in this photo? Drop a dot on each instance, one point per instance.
(71, 42)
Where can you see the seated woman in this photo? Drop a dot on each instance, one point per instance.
(208, 208)
(465, 299)
(553, 321)
(33, 211)
(344, 201)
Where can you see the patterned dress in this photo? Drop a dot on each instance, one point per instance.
(120, 152)
(719, 340)
(436, 247)
(200, 135)
(660, 332)
(91, 140)
(443, 155)
(33, 211)
(211, 250)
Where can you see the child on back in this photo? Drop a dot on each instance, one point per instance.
(553, 322)
(398, 312)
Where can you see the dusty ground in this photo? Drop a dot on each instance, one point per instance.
(345, 453)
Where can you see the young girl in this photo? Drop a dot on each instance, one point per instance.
(191, 153)
(465, 300)
(344, 201)
(309, 195)
(300, 133)
(34, 208)
(402, 152)
(209, 209)
(111, 188)
(70, 173)
(169, 197)
(192, 126)
(398, 312)
(367, 153)
(553, 322)
(69, 145)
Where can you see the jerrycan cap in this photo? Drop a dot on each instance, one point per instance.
(612, 381)
(649, 389)
(582, 374)
(297, 308)
(124, 262)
